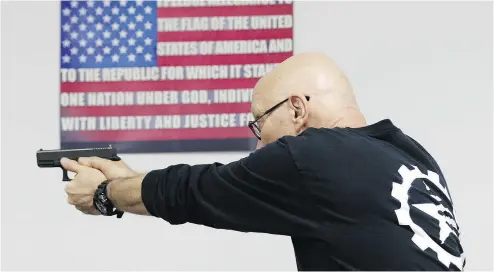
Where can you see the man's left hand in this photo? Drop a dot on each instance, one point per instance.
(81, 188)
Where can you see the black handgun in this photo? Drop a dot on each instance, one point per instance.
(51, 158)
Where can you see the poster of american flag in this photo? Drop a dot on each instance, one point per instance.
(166, 76)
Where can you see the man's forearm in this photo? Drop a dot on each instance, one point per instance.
(125, 195)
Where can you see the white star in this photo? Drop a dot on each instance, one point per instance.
(82, 27)
(90, 51)
(139, 34)
(66, 12)
(74, 51)
(90, 35)
(82, 11)
(139, 18)
(115, 10)
(132, 26)
(74, 19)
(106, 34)
(74, 35)
(115, 26)
(90, 19)
(148, 10)
(99, 26)
(148, 41)
(106, 50)
(123, 3)
(139, 49)
(106, 18)
(66, 43)
(148, 25)
(139, 2)
(132, 42)
(82, 43)
(82, 58)
(99, 42)
(106, 3)
(123, 34)
(148, 57)
(123, 18)
(99, 11)
(131, 10)
(74, 3)
(66, 59)
(123, 50)
(66, 27)
(99, 58)
(115, 42)
(115, 58)
(132, 57)
(90, 3)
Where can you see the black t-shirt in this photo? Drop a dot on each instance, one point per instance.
(370, 198)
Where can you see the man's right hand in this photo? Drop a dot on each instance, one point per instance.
(111, 169)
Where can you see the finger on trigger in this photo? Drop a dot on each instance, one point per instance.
(70, 165)
(84, 161)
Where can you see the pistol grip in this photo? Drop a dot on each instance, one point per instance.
(65, 175)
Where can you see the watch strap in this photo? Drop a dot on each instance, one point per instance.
(102, 203)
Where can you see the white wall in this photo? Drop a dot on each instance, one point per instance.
(427, 66)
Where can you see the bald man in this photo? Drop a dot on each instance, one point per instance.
(351, 196)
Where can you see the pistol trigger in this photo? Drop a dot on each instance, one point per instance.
(65, 175)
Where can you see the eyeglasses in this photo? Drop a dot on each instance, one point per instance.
(255, 127)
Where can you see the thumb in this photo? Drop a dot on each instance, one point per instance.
(70, 165)
(95, 162)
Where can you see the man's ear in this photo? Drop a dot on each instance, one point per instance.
(299, 106)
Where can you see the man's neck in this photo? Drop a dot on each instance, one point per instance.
(352, 118)
(350, 123)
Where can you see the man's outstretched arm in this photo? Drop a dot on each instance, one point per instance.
(263, 192)
(125, 194)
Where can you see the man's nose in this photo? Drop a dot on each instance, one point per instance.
(259, 144)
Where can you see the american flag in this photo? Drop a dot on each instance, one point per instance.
(154, 76)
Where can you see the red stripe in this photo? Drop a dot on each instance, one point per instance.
(227, 35)
(170, 12)
(222, 59)
(156, 110)
(162, 134)
(133, 86)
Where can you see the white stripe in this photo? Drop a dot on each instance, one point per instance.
(216, 3)
(225, 23)
(224, 47)
(143, 98)
(166, 73)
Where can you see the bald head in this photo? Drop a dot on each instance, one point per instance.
(319, 95)
(313, 74)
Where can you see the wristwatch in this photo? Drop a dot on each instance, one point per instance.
(102, 203)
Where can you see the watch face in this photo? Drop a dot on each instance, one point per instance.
(101, 201)
(100, 207)
(102, 198)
